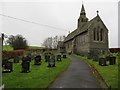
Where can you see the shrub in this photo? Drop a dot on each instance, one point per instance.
(11, 54)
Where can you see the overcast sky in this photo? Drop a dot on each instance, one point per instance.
(61, 14)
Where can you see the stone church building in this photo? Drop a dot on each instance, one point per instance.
(89, 37)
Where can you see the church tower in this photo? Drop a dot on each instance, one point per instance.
(82, 19)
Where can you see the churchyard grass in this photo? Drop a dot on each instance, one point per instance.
(40, 76)
(109, 72)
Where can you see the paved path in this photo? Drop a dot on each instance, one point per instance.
(78, 75)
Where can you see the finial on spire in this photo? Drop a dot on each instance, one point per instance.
(82, 2)
(97, 12)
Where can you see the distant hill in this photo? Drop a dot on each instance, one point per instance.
(9, 48)
(34, 47)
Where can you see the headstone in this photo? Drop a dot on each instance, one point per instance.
(64, 56)
(37, 60)
(112, 60)
(51, 61)
(26, 64)
(102, 61)
(58, 57)
(7, 67)
(47, 57)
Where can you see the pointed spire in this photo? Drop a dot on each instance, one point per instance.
(82, 10)
(82, 19)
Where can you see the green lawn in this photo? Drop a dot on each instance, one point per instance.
(39, 77)
(109, 73)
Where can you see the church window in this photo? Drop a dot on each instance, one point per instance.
(84, 38)
(101, 35)
(94, 34)
(68, 44)
(98, 33)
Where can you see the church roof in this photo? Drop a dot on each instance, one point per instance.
(71, 35)
(81, 30)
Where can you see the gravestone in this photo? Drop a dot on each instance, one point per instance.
(58, 57)
(47, 57)
(112, 60)
(7, 67)
(37, 60)
(102, 61)
(51, 61)
(64, 56)
(26, 64)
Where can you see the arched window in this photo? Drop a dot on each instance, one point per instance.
(98, 33)
(101, 35)
(94, 34)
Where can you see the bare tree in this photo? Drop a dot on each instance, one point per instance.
(47, 42)
(52, 42)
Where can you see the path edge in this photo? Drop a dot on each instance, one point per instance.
(97, 75)
(58, 75)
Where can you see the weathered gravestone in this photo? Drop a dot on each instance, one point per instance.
(37, 60)
(51, 61)
(58, 57)
(7, 66)
(26, 64)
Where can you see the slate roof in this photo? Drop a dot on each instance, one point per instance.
(82, 29)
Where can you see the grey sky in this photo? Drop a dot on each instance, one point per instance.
(62, 14)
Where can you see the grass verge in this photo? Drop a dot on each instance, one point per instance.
(39, 77)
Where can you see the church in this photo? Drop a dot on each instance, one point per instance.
(90, 37)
